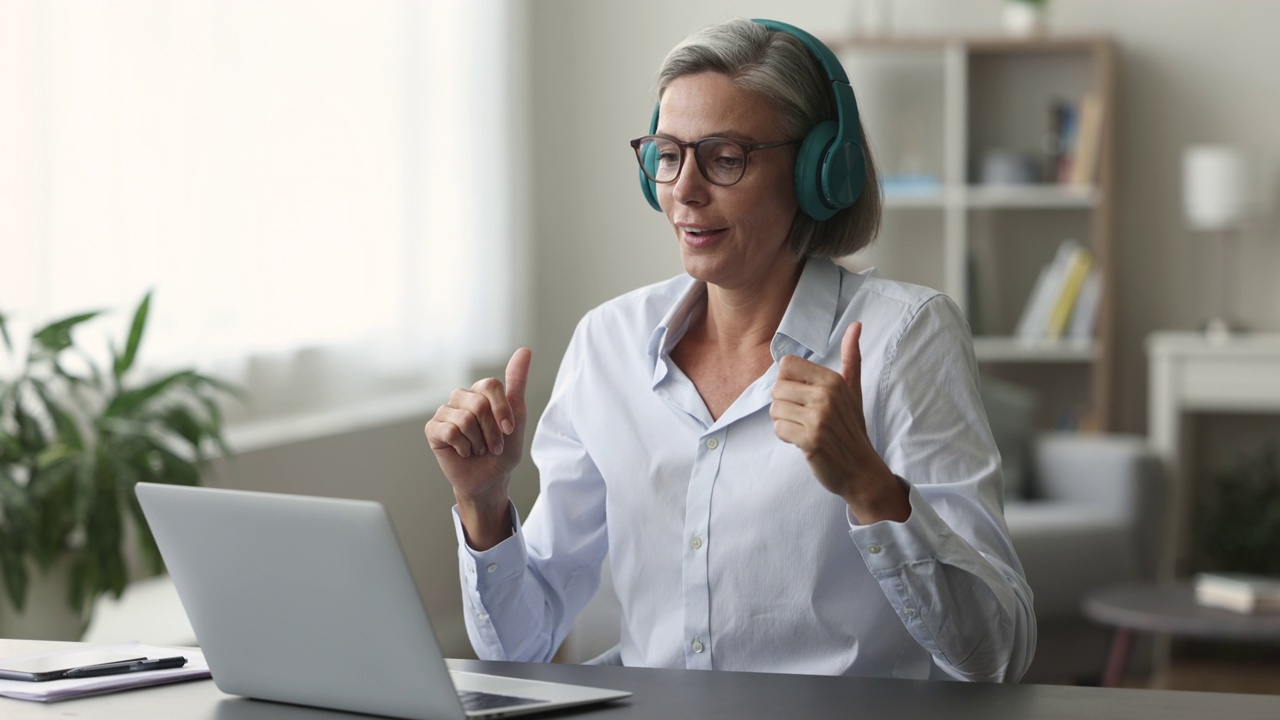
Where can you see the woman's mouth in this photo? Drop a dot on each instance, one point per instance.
(700, 237)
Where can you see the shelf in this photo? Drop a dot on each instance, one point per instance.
(922, 198)
(991, 197)
(1013, 349)
(1031, 196)
(992, 44)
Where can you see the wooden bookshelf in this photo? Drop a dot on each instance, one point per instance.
(934, 106)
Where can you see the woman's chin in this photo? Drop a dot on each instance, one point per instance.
(701, 266)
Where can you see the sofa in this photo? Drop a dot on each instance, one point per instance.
(1095, 512)
(1090, 513)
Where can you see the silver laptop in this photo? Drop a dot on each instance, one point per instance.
(310, 601)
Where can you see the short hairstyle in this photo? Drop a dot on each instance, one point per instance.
(782, 69)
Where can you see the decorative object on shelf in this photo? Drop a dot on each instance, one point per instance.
(1214, 197)
(74, 439)
(1024, 18)
(1006, 167)
(1240, 592)
(1237, 517)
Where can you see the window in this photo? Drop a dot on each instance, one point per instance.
(318, 192)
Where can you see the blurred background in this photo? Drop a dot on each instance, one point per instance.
(350, 208)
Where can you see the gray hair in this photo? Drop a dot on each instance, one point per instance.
(783, 71)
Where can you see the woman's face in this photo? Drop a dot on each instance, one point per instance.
(734, 237)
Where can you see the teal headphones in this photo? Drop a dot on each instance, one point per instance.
(830, 167)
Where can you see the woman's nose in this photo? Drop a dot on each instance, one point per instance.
(690, 188)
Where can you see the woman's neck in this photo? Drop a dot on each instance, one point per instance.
(742, 318)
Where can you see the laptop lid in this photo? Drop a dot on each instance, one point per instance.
(310, 600)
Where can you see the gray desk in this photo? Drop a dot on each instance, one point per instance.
(671, 694)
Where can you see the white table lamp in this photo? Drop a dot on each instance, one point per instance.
(1215, 199)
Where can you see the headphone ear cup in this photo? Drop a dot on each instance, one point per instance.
(809, 170)
(647, 186)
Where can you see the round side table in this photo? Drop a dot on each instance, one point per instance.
(1168, 608)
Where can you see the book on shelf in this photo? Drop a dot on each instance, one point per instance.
(1085, 315)
(1055, 294)
(1240, 592)
(1074, 140)
(1088, 142)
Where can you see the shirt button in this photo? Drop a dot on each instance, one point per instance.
(873, 549)
(482, 618)
(493, 567)
(909, 612)
(712, 443)
(471, 569)
(696, 543)
(698, 646)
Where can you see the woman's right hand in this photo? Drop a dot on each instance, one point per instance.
(478, 439)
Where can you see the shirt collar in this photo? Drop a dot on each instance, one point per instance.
(811, 315)
(806, 325)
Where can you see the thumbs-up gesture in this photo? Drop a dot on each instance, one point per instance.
(478, 439)
(820, 412)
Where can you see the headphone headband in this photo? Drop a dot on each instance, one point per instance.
(830, 165)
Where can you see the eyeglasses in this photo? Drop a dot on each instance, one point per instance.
(721, 161)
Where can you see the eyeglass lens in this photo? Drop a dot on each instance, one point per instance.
(721, 161)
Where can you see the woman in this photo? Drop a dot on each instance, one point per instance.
(788, 464)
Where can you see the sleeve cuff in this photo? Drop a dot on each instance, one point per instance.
(501, 562)
(887, 546)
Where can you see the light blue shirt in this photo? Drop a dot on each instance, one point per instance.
(727, 552)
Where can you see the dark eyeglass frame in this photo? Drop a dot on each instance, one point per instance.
(747, 149)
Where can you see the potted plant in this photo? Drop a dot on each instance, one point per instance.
(74, 439)
(1238, 516)
(1025, 17)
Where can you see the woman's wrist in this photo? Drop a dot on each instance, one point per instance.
(486, 519)
(885, 498)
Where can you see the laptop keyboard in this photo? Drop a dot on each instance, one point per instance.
(472, 701)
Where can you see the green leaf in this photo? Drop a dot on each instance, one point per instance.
(126, 403)
(125, 362)
(56, 337)
(153, 561)
(30, 436)
(19, 516)
(15, 571)
(4, 333)
(176, 470)
(66, 425)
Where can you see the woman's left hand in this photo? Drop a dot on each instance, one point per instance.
(820, 411)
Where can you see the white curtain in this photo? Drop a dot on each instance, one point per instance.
(317, 191)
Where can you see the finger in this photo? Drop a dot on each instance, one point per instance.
(851, 356)
(793, 412)
(517, 380)
(795, 368)
(482, 427)
(444, 434)
(791, 432)
(492, 412)
(798, 392)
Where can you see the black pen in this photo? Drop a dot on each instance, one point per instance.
(125, 667)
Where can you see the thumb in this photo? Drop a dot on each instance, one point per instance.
(518, 377)
(851, 356)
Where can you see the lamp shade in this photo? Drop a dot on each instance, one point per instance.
(1214, 187)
